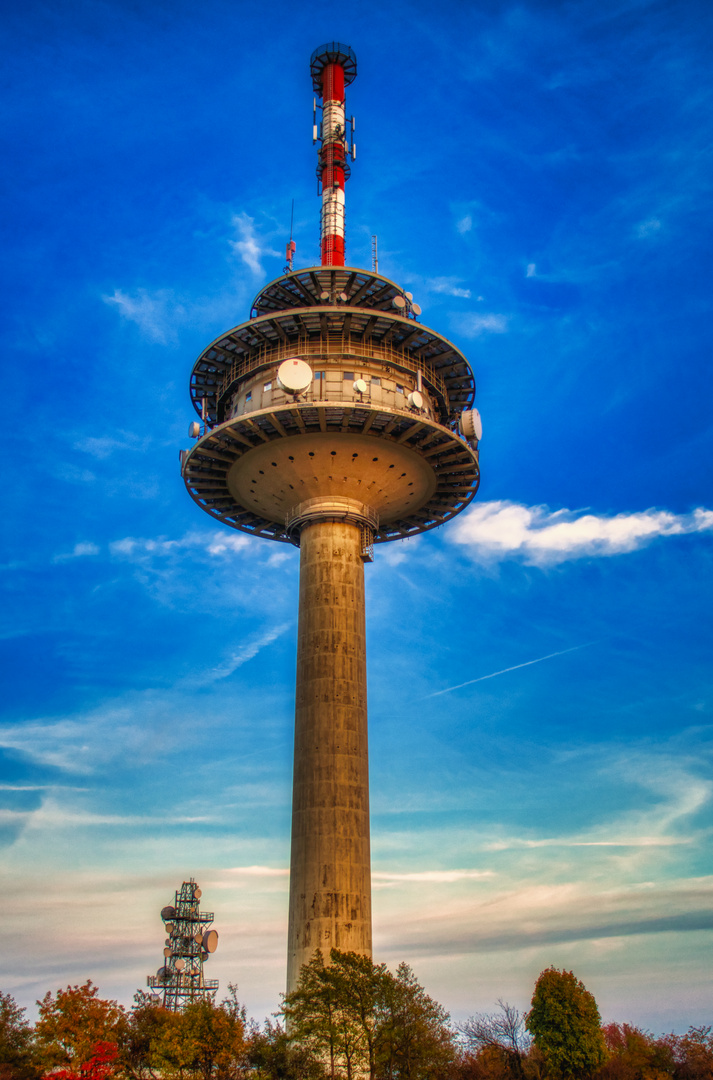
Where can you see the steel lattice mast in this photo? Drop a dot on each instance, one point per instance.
(335, 420)
(190, 942)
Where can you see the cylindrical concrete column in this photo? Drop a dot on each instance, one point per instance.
(330, 875)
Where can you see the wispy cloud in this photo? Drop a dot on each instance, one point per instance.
(504, 671)
(154, 313)
(81, 550)
(250, 246)
(437, 877)
(464, 224)
(475, 325)
(214, 543)
(247, 651)
(499, 530)
(448, 287)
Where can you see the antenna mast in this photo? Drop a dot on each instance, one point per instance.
(292, 246)
(333, 66)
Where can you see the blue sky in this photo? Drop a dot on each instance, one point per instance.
(538, 175)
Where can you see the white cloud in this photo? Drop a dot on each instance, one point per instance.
(214, 543)
(497, 530)
(154, 313)
(465, 224)
(473, 325)
(249, 247)
(438, 877)
(531, 270)
(79, 551)
(447, 286)
(248, 650)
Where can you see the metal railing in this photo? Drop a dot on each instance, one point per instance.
(329, 350)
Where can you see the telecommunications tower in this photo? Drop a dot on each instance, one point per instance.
(332, 419)
(189, 943)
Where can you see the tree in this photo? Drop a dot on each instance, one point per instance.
(142, 1032)
(565, 1024)
(415, 1037)
(359, 1018)
(634, 1054)
(73, 1022)
(17, 1057)
(205, 1041)
(274, 1056)
(503, 1035)
(692, 1053)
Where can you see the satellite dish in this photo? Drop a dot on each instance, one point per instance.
(180, 964)
(294, 376)
(163, 975)
(360, 386)
(168, 913)
(399, 303)
(169, 927)
(167, 951)
(198, 938)
(415, 309)
(210, 941)
(409, 296)
(324, 296)
(415, 400)
(343, 297)
(471, 425)
(197, 893)
(194, 430)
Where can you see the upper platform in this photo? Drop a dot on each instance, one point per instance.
(332, 309)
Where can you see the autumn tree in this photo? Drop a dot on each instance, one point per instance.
(205, 1041)
(634, 1054)
(73, 1022)
(692, 1053)
(565, 1025)
(500, 1040)
(17, 1056)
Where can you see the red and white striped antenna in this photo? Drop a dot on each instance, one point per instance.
(333, 67)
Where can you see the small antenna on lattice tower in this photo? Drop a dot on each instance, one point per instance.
(291, 247)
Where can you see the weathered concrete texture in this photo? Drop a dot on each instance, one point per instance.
(330, 882)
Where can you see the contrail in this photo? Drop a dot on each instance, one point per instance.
(504, 671)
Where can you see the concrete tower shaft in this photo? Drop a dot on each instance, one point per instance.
(330, 869)
(335, 420)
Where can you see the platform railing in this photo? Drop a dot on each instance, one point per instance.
(331, 349)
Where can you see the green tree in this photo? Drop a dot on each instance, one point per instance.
(17, 1055)
(360, 1019)
(565, 1024)
(272, 1055)
(71, 1024)
(415, 1039)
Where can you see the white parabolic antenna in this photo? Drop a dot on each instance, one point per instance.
(210, 941)
(360, 386)
(294, 376)
(471, 425)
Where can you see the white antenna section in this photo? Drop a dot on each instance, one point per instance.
(374, 255)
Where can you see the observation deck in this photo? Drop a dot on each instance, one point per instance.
(378, 425)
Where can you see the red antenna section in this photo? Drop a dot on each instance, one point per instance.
(333, 66)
